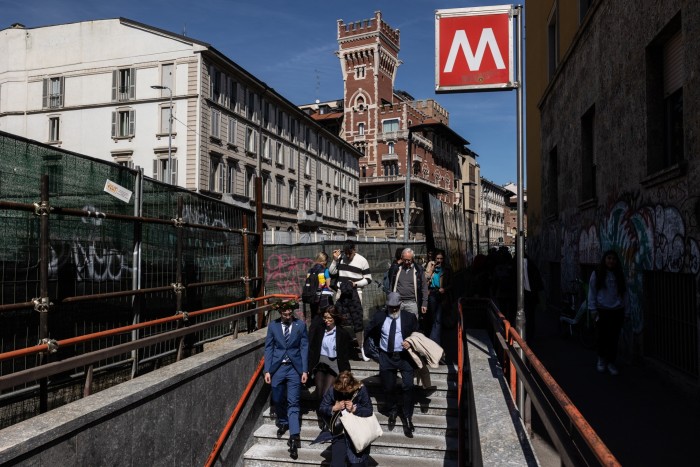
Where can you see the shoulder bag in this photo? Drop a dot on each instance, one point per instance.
(362, 431)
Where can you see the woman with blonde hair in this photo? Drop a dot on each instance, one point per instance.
(324, 293)
(347, 393)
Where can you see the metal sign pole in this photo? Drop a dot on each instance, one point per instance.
(520, 239)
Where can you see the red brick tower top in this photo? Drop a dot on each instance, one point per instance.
(368, 53)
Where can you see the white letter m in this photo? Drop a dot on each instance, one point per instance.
(460, 41)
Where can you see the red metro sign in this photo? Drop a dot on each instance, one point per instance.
(474, 49)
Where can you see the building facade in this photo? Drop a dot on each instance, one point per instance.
(380, 121)
(613, 122)
(78, 87)
(494, 202)
(511, 216)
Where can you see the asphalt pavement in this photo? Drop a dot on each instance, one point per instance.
(646, 416)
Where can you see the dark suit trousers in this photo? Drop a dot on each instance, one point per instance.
(389, 364)
(287, 380)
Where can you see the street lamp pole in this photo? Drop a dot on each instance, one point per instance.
(407, 188)
(170, 133)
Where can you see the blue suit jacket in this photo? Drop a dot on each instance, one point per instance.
(276, 347)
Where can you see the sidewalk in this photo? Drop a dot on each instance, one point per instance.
(644, 420)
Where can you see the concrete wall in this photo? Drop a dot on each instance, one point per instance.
(172, 416)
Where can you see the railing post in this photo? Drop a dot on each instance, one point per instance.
(43, 304)
(178, 277)
(137, 300)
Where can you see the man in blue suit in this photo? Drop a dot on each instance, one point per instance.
(286, 368)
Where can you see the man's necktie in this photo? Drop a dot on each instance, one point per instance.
(286, 327)
(392, 336)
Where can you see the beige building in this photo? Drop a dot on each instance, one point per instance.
(492, 226)
(105, 88)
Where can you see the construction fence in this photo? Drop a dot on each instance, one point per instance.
(87, 246)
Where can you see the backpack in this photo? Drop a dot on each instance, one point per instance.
(310, 292)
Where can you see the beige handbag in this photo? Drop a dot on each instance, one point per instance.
(362, 431)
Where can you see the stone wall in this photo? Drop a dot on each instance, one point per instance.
(172, 416)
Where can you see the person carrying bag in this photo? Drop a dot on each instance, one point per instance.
(352, 421)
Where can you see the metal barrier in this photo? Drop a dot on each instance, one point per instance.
(574, 439)
(53, 368)
(76, 260)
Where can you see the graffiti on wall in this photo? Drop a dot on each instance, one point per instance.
(647, 235)
(284, 273)
(89, 255)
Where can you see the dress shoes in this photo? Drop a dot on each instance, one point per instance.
(391, 421)
(294, 444)
(408, 429)
(281, 429)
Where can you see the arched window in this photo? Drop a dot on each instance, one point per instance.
(361, 129)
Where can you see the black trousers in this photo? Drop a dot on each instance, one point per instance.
(609, 326)
(389, 364)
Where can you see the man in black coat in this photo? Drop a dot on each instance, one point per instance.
(388, 330)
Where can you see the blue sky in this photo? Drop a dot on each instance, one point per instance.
(290, 45)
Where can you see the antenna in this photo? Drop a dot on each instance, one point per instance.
(318, 83)
(184, 30)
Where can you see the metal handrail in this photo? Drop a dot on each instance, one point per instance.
(519, 372)
(124, 329)
(460, 367)
(216, 450)
(52, 368)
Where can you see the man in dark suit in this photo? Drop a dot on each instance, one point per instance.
(286, 368)
(389, 328)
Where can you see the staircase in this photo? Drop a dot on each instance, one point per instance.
(434, 442)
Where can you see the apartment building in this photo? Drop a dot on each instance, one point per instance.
(380, 121)
(108, 89)
(492, 226)
(613, 118)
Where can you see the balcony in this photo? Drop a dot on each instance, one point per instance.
(309, 218)
(400, 179)
(392, 136)
(392, 156)
(421, 140)
(391, 206)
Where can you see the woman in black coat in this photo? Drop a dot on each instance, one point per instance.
(329, 349)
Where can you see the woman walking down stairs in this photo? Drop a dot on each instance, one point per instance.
(434, 441)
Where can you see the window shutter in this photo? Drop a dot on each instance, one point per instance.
(173, 170)
(114, 124)
(45, 94)
(115, 83)
(673, 64)
(131, 122)
(61, 82)
(132, 83)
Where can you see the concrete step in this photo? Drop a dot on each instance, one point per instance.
(425, 424)
(422, 404)
(391, 442)
(438, 388)
(261, 455)
(362, 369)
